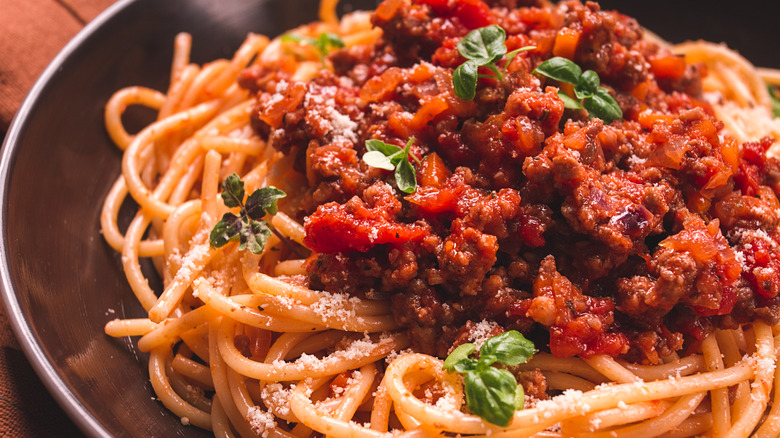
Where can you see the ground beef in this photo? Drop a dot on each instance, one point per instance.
(628, 239)
(534, 384)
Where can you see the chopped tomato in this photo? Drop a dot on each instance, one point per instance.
(473, 13)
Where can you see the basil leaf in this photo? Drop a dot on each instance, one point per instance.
(459, 354)
(481, 47)
(378, 159)
(253, 236)
(603, 106)
(595, 99)
(391, 157)
(263, 201)
(568, 102)
(397, 157)
(491, 394)
(560, 69)
(519, 397)
(225, 230)
(324, 43)
(485, 360)
(295, 38)
(509, 348)
(384, 148)
(775, 102)
(233, 191)
(464, 80)
(466, 365)
(405, 176)
(327, 41)
(588, 84)
(484, 45)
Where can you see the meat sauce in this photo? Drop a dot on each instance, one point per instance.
(632, 239)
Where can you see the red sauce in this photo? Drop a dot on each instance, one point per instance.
(627, 239)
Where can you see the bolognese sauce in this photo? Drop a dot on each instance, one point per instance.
(633, 239)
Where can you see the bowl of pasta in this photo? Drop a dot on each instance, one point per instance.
(421, 217)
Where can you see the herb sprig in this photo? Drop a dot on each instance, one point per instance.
(774, 95)
(481, 47)
(324, 43)
(492, 393)
(588, 91)
(391, 157)
(248, 227)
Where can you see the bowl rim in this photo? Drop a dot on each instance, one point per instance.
(21, 327)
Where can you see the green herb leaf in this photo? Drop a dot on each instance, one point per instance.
(405, 176)
(775, 101)
(568, 102)
(459, 360)
(464, 80)
(385, 148)
(491, 394)
(379, 160)
(254, 235)
(560, 69)
(246, 227)
(484, 45)
(509, 348)
(481, 47)
(391, 157)
(233, 191)
(594, 98)
(327, 41)
(603, 106)
(519, 397)
(263, 201)
(295, 38)
(225, 230)
(324, 43)
(459, 354)
(380, 146)
(485, 360)
(588, 84)
(466, 365)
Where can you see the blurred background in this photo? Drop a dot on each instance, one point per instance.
(749, 26)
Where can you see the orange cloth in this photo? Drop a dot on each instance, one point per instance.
(31, 34)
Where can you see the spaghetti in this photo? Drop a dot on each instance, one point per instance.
(269, 344)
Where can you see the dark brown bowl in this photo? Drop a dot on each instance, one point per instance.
(60, 281)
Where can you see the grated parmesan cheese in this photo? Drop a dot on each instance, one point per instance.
(261, 422)
(481, 332)
(321, 106)
(634, 160)
(278, 397)
(335, 305)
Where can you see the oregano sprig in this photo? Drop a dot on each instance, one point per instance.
(324, 43)
(481, 47)
(248, 227)
(492, 393)
(391, 157)
(588, 92)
